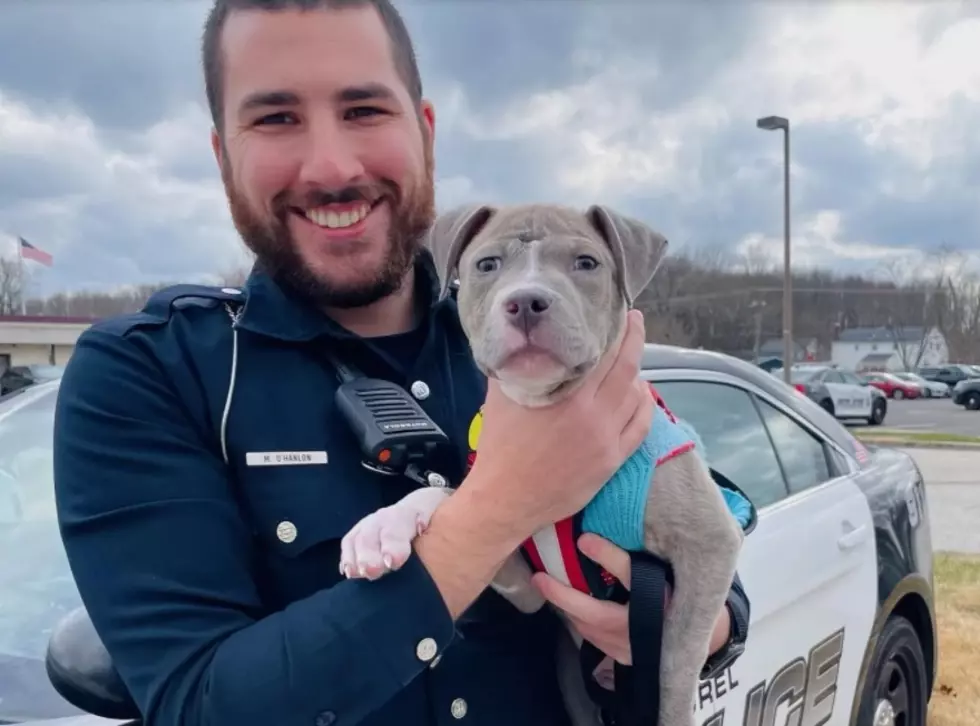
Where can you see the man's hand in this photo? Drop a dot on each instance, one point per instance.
(603, 623)
(541, 465)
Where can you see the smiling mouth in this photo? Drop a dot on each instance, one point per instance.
(338, 217)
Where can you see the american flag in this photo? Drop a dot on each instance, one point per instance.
(30, 252)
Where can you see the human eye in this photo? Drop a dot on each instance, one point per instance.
(275, 119)
(359, 112)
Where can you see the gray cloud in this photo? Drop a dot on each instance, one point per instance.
(105, 159)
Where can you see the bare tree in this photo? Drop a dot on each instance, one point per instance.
(11, 286)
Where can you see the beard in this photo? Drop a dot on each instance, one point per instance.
(276, 252)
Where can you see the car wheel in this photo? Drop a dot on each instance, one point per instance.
(897, 394)
(827, 405)
(878, 409)
(927, 393)
(972, 401)
(897, 688)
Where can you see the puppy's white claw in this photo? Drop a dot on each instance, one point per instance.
(388, 561)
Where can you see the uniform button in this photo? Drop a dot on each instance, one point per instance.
(326, 718)
(286, 532)
(426, 649)
(458, 708)
(420, 390)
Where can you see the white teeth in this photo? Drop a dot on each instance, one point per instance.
(334, 220)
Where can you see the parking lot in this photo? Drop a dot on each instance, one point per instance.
(953, 487)
(932, 415)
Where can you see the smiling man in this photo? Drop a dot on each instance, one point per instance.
(205, 477)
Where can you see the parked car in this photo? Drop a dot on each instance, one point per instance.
(893, 386)
(841, 393)
(930, 389)
(966, 393)
(17, 377)
(837, 564)
(950, 374)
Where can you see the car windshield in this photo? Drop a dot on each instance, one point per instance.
(38, 589)
(802, 375)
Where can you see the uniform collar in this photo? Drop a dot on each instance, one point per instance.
(276, 311)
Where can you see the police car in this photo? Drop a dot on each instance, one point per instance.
(842, 393)
(838, 564)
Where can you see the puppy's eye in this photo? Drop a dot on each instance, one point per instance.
(488, 264)
(586, 262)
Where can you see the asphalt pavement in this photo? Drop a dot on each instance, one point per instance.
(931, 415)
(953, 492)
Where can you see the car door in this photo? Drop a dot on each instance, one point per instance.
(808, 567)
(862, 395)
(840, 392)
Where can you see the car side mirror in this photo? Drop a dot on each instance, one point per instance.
(81, 671)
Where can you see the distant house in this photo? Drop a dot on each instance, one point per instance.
(889, 348)
(771, 353)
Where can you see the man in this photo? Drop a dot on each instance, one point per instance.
(204, 476)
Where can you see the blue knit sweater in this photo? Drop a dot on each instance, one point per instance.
(616, 512)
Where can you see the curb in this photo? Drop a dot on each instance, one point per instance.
(914, 444)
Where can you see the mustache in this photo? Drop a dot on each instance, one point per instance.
(369, 193)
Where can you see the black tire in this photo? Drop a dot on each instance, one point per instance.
(897, 394)
(971, 401)
(878, 410)
(898, 678)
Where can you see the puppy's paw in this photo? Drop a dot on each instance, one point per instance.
(382, 541)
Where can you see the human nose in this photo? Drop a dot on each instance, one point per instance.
(332, 158)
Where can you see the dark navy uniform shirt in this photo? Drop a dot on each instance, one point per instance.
(214, 585)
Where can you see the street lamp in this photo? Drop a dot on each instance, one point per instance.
(773, 123)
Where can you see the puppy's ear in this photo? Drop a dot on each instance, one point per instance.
(637, 250)
(449, 235)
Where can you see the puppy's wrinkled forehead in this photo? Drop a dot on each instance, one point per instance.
(537, 222)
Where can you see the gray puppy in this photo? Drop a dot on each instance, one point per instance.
(543, 294)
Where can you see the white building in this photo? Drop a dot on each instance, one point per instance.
(893, 349)
(38, 339)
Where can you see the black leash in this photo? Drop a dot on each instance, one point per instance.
(636, 699)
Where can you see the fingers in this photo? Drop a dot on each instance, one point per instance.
(637, 426)
(603, 552)
(577, 605)
(625, 365)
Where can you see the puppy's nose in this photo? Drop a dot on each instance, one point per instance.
(525, 309)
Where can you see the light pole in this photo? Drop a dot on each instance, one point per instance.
(772, 123)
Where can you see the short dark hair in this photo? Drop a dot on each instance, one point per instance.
(401, 42)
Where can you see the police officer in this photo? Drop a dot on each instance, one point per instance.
(204, 477)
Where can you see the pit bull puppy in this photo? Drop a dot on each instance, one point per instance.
(543, 294)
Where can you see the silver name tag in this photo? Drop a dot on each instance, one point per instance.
(285, 458)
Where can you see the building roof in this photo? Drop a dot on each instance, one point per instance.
(876, 359)
(901, 334)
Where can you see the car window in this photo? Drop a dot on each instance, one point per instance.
(735, 440)
(803, 456)
(851, 378)
(833, 377)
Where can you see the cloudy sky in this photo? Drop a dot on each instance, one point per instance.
(105, 160)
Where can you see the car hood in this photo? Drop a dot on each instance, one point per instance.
(76, 721)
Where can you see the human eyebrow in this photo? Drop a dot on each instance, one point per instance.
(366, 92)
(266, 99)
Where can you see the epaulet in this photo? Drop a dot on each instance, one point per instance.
(162, 303)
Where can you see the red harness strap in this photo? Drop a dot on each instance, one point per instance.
(553, 549)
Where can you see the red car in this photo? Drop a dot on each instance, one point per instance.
(893, 386)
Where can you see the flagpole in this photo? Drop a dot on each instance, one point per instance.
(23, 277)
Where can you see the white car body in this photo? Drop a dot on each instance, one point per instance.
(930, 389)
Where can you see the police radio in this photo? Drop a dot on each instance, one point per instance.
(395, 434)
